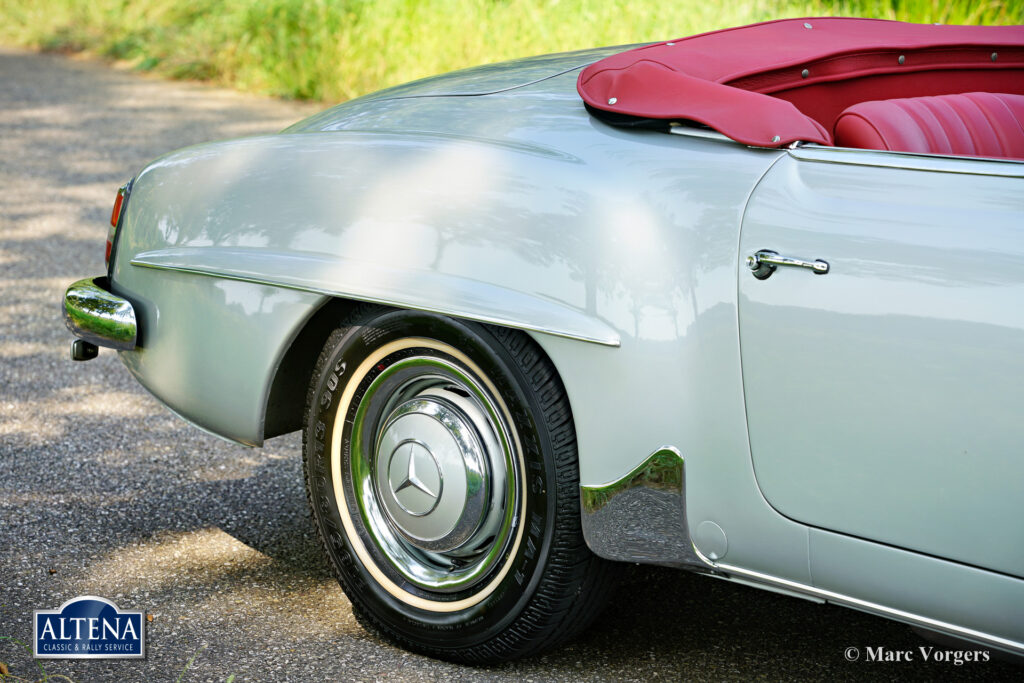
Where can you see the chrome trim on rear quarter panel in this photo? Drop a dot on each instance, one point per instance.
(377, 283)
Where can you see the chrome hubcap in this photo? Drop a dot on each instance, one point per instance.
(431, 473)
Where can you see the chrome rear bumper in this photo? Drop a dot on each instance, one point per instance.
(99, 317)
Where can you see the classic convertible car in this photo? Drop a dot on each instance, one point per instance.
(746, 303)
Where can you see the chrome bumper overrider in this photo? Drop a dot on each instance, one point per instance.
(96, 315)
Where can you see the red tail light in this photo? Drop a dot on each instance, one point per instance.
(118, 201)
(115, 218)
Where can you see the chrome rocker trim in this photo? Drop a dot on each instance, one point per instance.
(752, 578)
(642, 516)
(96, 315)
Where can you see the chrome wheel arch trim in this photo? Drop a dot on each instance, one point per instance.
(362, 281)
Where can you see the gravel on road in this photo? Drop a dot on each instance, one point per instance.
(104, 492)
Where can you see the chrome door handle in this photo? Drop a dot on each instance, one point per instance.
(764, 262)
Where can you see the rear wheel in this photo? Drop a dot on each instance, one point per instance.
(441, 468)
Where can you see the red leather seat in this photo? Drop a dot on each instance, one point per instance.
(976, 124)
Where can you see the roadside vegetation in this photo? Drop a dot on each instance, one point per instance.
(334, 50)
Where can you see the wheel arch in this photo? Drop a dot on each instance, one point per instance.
(287, 394)
(286, 398)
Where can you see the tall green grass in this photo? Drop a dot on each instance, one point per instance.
(337, 49)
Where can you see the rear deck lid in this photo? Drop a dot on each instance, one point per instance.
(479, 80)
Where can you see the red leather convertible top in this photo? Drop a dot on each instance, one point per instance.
(778, 82)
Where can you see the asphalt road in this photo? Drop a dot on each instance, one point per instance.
(104, 492)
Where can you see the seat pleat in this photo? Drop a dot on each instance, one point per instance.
(1006, 125)
(990, 142)
(906, 132)
(931, 128)
(960, 129)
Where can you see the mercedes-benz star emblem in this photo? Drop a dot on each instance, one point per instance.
(415, 478)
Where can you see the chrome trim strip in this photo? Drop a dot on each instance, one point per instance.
(642, 516)
(96, 315)
(361, 281)
(694, 132)
(909, 161)
(866, 606)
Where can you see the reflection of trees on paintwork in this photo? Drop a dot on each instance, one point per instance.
(632, 225)
(663, 471)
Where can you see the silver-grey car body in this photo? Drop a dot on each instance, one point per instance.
(851, 438)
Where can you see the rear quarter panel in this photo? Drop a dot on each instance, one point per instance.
(516, 206)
